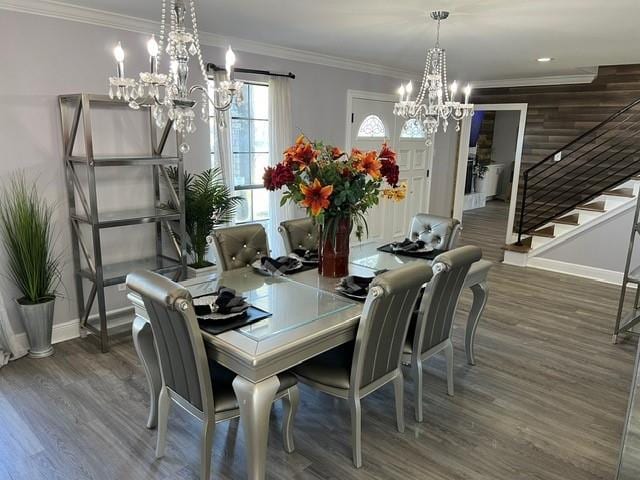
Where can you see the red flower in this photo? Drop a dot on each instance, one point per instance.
(386, 152)
(390, 171)
(316, 197)
(276, 178)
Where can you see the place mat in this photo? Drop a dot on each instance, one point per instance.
(215, 327)
(304, 268)
(430, 255)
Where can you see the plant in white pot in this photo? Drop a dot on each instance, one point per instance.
(208, 203)
(27, 233)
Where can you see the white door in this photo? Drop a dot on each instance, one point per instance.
(372, 123)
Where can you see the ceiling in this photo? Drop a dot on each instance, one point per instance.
(485, 39)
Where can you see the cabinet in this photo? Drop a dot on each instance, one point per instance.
(491, 181)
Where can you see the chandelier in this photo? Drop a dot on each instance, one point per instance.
(168, 94)
(435, 103)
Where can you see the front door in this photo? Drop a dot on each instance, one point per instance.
(372, 123)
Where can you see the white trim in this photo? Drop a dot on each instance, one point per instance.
(458, 200)
(585, 271)
(351, 95)
(76, 13)
(70, 329)
(538, 81)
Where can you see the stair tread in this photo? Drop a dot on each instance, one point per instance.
(524, 248)
(548, 232)
(572, 219)
(620, 192)
(592, 207)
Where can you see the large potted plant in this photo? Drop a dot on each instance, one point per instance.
(208, 203)
(28, 237)
(337, 189)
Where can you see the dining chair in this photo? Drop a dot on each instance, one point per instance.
(431, 328)
(300, 233)
(359, 368)
(200, 386)
(441, 233)
(240, 245)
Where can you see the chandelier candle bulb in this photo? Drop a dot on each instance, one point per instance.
(152, 48)
(230, 60)
(118, 53)
(401, 92)
(454, 90)
(467, 94)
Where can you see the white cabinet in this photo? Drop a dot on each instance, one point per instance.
(489, 184)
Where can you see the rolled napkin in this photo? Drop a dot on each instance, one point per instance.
(223, 301)
(355, 285)
(277, 266)
(407, 246)
(310, 256)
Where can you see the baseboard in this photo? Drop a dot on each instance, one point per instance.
(69, 330)
(584, 271)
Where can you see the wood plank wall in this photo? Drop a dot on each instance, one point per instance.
(558, 114)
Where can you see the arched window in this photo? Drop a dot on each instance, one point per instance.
(412, 129)
(371, 126)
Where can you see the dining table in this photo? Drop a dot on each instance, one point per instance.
(308, 317)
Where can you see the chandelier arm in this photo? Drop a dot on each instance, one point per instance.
(220, 107)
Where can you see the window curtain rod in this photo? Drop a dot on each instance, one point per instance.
(212, 67)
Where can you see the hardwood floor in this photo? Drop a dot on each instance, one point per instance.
(546, 400)
(486, 227)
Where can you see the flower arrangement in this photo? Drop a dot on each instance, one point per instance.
(335, 186)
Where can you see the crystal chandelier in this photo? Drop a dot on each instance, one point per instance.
(435, 103)
(168, 94)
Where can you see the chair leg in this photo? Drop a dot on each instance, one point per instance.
(448, 353)
(208, 429)
(398, 387)
(164, 404)
(417, 378)
(356, 431)
(290, 405)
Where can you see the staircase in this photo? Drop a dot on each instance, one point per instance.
(591, 179)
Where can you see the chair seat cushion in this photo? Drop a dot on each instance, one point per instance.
(223, 394)
(331, 368)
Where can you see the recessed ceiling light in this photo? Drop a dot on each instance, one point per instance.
(545, 59)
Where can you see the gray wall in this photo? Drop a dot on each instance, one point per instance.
(46, 57)
(505, 139)
(443, 172)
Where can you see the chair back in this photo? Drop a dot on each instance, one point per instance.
(301, 233)
(438, 232)
(183, 360)
(239, 246)
(384, 322)
(438, 305)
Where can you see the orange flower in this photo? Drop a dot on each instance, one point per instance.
(357, 154)
(336, 153)
(370, 164)
(300, 155)
(316, 197)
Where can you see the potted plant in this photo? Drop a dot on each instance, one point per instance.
(479, 171)
(28, 237)
(208, 203)
(337, 189)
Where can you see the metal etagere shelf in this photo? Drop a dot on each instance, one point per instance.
(84, 211)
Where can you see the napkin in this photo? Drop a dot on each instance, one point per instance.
(279, 266)
(223, 301)
(307, 255)
(407, 245)
(355, 285)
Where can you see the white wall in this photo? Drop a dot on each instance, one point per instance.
(44, 57)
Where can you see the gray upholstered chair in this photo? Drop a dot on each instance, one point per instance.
(439, 232)
(300, 233)
(240, 245)
(189, 379)
(356, 369)
(431, 329)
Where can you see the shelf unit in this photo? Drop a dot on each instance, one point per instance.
(84, 211)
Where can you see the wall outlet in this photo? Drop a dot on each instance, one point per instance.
(122, 287)
(557, 157)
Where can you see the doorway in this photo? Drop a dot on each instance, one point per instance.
(370, 122)
(487, 174)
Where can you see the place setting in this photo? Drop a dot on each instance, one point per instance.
(299, 260)
(225, 310)
(409, 248)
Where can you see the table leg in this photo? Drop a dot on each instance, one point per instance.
(143, 342)
(255, 401)
(480, 293)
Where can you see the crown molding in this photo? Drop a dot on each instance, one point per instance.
(76, 13)
(537, 81)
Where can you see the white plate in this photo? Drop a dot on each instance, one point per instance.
(221, 316)
(342, 291)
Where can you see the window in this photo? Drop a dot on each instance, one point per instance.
(412, 129)
(250, 150)
(371, 126)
